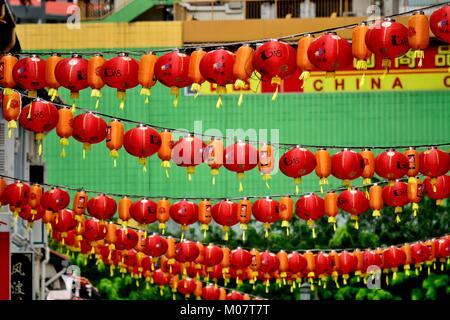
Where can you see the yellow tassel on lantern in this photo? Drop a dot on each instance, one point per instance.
(196, 87)
(143, 162)
(146, 92)
(311, 223)
(226, 229)
(11, 125)
(240, 85)
(114, 154)
(415, 209)
(184, 228)
(175, 91)
(333, 221)
(214, 173)
(190, 171)
(39, 137)
(347, 183)
(275, 81)
(166, 165)
(86, 147)
(304, 76)
(240, 177)
(266, 177)
(285, 224)
(297, 182)
(267, 227)
(220, 91)
(376, 213)
(121, 95)
(244, 229)
(52, 93)
(32, 94)
(63, 142)
(204, 228)
(354, 217)
(322, 182)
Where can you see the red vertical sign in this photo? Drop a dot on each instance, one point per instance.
(5, 257)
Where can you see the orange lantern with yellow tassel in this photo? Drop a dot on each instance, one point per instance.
(415, 193)
(79, 208)
(214, 157)
(310, 267)
(254, 266)
(94, 76)
(359, 48)
(7, 81)
(286, 210)
(243, 69)
(194, 73)
(162, 213)
(407, 266)
(111, 236)
(64, 128)
(369, 166)
(418, 34)
(225, 264)
(331, 207)
(124, 210)
(50, 77)
(376, 199)
(170, 253)
(204, 215)
(188, 152)
(146, 74)
(244, 215)
(172, 70)
(34, 198)
(165, 151)
(275, 60)
(11, 105)
(198, 290)
(323, 166)
(121, 73)
(413, 163)
(302, 57)
(266, 162)
(114, 139)
(283, 268)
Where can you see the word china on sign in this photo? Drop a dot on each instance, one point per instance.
(404, 75)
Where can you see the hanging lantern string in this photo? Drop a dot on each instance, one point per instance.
(208, 243)
(213, 45)
(343, 188)
(280, 145)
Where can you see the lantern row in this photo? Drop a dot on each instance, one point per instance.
(163, 261)
(274, 60)
(190, 151)
(32, 203)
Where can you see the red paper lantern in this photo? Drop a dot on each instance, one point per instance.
(29, 73)
(93, 230)
(269, 262)
(71, 73)
(275, 60)
(210, 292)
(310, 208)
(188, 152)
(391, 165)
(88, 128)
(186, 287)
(184, 212)
(55, 200)
(296, 163)
(240, 258)
(31, 215)
(186, 251)
(102, 207)
(172, 70)
(297, 263)
(439, 23)
(64, 221)
(419, 253)
(240, 157)
(370, 259)
(347, 165)
(225, 213)
(39, 117)
(393, 258)
(434, 163)
(396, 196)
(217, 67)
(330, 52)
(155, 246)
(388, 39)
(127, 239)
(235, 296)
(143, 211)
(121, 73)
(323, 263)
(347, 264)
(161, 278)
(442, 250)
(142, 142)
(266, 211)
(354, 202)
(212, 256)
(438, 191)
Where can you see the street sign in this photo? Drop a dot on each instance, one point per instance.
(21, 276)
